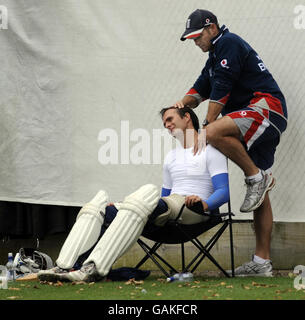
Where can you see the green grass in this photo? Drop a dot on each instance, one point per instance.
(155, 288)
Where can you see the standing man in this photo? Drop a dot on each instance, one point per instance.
(254, 115)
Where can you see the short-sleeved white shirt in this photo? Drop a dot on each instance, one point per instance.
(186, 174)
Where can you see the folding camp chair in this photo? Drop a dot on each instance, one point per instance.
(175, 233)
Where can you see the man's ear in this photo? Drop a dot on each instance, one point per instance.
(213, 29)
(188, 116)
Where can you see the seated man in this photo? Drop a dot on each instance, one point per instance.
(187, 179)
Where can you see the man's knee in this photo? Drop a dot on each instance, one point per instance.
(212, 134)
(223, 127)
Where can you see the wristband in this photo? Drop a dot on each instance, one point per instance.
(205, 122)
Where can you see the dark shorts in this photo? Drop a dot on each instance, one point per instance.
(261, 124)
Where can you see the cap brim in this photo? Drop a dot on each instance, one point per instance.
(191, 33)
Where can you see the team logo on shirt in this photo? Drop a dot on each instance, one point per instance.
(224, 63)
(243, 113)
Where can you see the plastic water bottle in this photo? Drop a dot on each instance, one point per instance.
(10, 266)
(181, 277)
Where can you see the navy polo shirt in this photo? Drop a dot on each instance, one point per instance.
(234, 74)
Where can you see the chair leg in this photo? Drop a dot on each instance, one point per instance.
(182, 257)
(151, 253)
(211, 258)
(154, 252)
(205, 251)
(231, 247)
(209, 245)
(197, 256)
(143, 245)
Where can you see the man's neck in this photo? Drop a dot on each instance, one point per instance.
(221, 31)
(190, 136)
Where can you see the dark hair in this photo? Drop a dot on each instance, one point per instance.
(182, 112)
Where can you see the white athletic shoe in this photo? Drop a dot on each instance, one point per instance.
(87, 273)
(256, 192)
(50, 275)
(254, 269)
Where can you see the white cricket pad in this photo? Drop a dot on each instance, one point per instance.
(125, 229)
(174, 203)
(85, 231)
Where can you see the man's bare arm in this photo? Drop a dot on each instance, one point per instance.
(214, 110)
(187, 101)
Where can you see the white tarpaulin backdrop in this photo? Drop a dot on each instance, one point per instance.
(79, 78)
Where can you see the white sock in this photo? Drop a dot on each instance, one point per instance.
(258, 259)
(257, 177)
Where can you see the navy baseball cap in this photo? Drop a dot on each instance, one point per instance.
(196, 23)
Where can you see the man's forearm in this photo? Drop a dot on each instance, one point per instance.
(214, 110)
(205, 206)
(190, 101)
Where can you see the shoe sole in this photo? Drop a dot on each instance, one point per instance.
(88, 279)
(61, 277)
(266, 274)
(49, 277)
(262, 197)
